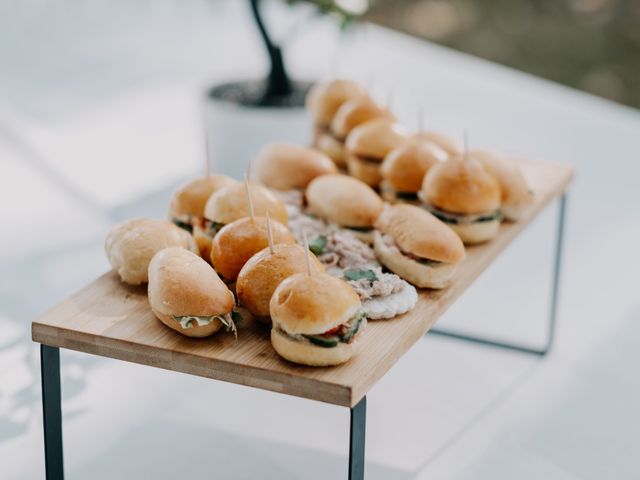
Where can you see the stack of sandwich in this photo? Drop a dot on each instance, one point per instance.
(328, 236)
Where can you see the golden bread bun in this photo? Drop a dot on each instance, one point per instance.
(189, 199)
(477, 232)
(343, 200)
(420, 275)
(419, 233)
(331, 147)
(181, 283)
(263, 272)
(443, 141)
(131, 245)
(355, 112)
(203, 242)
(405, 166)
(230, 203)
(286, 167)
(364, 170)
(375, 138)
(312, 304)
(238, 241)
(516, 195)
(312, 355)
(461, 185)
(324, 99)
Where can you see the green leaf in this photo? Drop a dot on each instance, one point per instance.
(356, 274)
(318, 244)
(186, 321)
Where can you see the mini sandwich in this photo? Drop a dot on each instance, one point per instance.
(264, 271)
(463, 194)
(345, 201)
(288, 167)
(317, 320)
(131, 244)
(404, 168)
(367, 145)
(238, 241)
(230, 203)
(351, 113)
(516, 194)
(324, 100)
(417, 246)
(186, 208)
(444, 142)
(187, 295)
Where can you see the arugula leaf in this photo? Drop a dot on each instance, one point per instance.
(182, 224)
(229, 325)
(318, 244)
(186, 321)
(357, 274)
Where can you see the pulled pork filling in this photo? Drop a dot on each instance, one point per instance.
(462, 219)
(293, 198)
(228, 320)
(344, 333)
(373, 282)
(390, 242)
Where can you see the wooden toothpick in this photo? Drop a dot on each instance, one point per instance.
(306, 252)
(252, 213)
(270, 234)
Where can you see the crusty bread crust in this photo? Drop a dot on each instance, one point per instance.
(355, 112)
(375, 138)
(418, 232)
(343, 200)
(461, 185)
(190, 198)
(312, 304)
(312, 355)
(286, 167)
(238, 241)
(264, 271)
(422, 276)
(365, 171)
(230, 203)
(181, 283)
(406, 165)
(477, 232)
(131, 245)
(324, 99)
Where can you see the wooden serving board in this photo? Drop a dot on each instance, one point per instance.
(111, 319)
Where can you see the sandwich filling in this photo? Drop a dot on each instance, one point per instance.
(463, 219)
(229, 321)
(390, 242)
(343, 333)
(369, 159)
(189, 222)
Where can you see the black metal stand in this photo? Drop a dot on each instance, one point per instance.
(553, 307)
(51, 412)
(356, 440)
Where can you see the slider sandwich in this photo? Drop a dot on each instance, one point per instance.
(324, 100)
(351, 113)
(446, 143)
(464, 195)
(345, 201)
(414, 244)
(264, 271)
(317, 320)
(187, 295)
(186, 208)
(404, 168)
(516, 194)
(231, 203)
(366, 147)
(238, 241)
(130, 246)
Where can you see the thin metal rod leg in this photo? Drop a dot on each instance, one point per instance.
(356, 440)
(553, 304)
(52, 412)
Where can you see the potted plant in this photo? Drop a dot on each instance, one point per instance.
(243, 115)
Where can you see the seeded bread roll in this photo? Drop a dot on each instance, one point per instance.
(131, 245)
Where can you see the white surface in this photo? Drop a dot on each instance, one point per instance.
(102, 119)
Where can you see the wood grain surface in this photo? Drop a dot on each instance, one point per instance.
(111, 319)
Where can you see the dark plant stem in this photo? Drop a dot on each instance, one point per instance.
(278, 82)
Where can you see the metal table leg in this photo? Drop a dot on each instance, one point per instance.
(52, 412)
(553, 306)
(356, 440)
